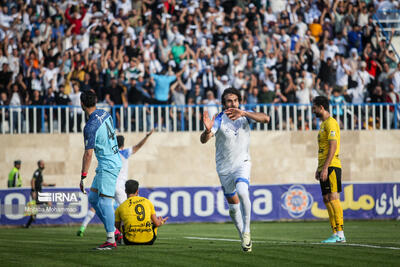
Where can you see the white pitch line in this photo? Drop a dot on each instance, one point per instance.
(219, 239)
(297, 243)
(359, 245)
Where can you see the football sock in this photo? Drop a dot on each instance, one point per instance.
(245, 204)
(110, 237)
(88, 218)
(338, 211)
(234, 212)
(331, 213)
(107, 209)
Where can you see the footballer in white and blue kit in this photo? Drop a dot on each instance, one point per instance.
(231, 129)
(125, 153)
(100, 138)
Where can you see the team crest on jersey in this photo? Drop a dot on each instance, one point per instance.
(296, 201)
(332, 134)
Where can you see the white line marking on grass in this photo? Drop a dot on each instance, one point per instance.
(358, 245)
(292, 243)
(219, 239)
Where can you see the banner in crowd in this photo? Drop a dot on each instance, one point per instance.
(207, 204)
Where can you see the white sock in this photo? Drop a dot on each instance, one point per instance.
(340, 234)
(110, 237)
(234, 212)
(245, 204)
(88, 218)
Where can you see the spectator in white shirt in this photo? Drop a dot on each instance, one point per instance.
(222, 85)
(396, 79)
(50, 74)
(342, 74)
(331, 50)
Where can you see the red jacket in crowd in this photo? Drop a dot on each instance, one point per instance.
(77, 22)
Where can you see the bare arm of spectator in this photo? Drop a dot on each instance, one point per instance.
(108, 100)
(5, 46)
(120, 59)
(83, 12)
(391, 36)
(182, 16)
(321, 19)
(334, 8)
(174, 85)
(170, 35)
(179, 73)
(86, 56)
(107, 27)
(67, 13)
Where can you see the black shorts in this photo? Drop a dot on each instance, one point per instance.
(334, 181)
(151, 242)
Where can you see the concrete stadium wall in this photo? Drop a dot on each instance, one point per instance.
(178, 159)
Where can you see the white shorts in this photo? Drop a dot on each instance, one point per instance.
(120, 195)
(229, 181)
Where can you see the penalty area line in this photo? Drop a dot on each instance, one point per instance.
(291, 243)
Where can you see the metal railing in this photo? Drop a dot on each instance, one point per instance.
(172, 118)
(388, 20)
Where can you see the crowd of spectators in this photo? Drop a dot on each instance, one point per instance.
(180, 52)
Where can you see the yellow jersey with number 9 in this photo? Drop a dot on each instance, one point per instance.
(329, 131)
(135, 214)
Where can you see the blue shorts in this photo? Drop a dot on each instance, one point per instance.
(105, 181)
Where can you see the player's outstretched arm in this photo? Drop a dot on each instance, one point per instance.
(136, 147)
(236, 113)
(158, 221)
(208, 124)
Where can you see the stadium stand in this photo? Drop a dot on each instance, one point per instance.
(280, 54)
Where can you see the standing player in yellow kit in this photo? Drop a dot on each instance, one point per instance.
(329, 169)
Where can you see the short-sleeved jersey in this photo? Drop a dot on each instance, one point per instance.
(37, 175)
(123, 173)
(135, 214)
(232, 139)
(100, 135)
(329, 131)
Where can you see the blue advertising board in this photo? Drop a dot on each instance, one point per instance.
(207, 204)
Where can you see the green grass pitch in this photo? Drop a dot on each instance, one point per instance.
(369, 243)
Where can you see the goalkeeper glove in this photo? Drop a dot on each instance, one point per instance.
(82, 183)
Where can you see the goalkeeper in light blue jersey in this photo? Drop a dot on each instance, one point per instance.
(99, 135)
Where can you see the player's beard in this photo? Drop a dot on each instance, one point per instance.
(318, 114)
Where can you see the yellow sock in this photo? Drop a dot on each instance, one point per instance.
(331, 216)
(338, 211)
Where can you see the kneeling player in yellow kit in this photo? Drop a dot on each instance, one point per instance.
(136, 217)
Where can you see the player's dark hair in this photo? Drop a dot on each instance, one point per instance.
(321, 101)
(88, 98)
(120, 141)
(131, 187)
(228, 91)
